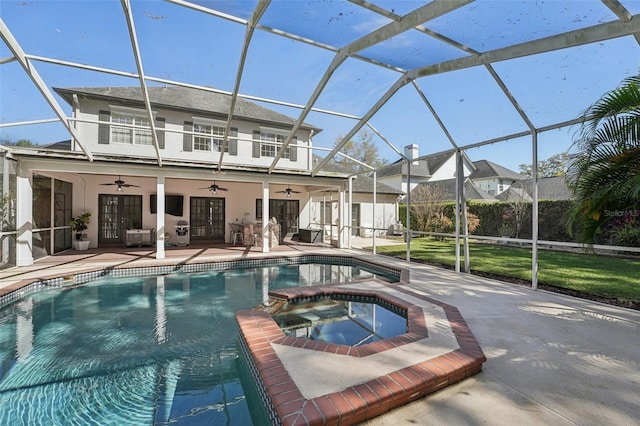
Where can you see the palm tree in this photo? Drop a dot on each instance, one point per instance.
(604, 170)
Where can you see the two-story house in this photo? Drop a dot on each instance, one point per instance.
(181, 162)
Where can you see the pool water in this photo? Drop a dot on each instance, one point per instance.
(344, 322)
(150, 350)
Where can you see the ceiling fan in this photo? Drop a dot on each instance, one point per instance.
(288, 191)
(214, 188)
(121, 184)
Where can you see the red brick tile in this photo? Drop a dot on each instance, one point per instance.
(376, 410)
(345, 409)
(299, 342)
(342, 349)
(357, 402)
(283, 387)
(275, 370)
(309, 344)
(405, 384)
(330, 412)
(275, 380)
(367, 395)
(382, 393)
(287, 402)
(439, 362)
(312, 414)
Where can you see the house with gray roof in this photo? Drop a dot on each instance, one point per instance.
(190, 125)
(433, 167)
(183, 162)
(493, 178)
(364, 216)
(445, 190)
(549, 188)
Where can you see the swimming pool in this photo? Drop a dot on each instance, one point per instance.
(140, 350)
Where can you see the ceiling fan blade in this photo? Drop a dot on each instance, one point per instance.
(222, 189)
(129, 185)
(107, 184)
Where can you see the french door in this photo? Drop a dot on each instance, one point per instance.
(117, 213)
(286, 213)
(355, 220)
(207, 219)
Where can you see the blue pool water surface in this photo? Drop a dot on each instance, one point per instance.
(138, 351)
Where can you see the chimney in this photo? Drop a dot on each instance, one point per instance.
(411, 152)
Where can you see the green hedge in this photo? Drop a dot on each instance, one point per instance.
(494, 220)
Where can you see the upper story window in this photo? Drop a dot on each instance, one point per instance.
(271, 143)
(267, 143)
(130, 135)
(208, 137)
(128, 126)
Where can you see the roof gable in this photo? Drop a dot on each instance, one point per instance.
(486, 169)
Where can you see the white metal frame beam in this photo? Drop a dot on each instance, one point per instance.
(402, 81)
(126, 6)
(419, 16)
(35, 77)
(251, 25)
(580, 37)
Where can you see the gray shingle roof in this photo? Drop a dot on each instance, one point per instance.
(488, 169)
(448, 188)
(363, 183)
(400, 168)
(549, 188)
(185, 98)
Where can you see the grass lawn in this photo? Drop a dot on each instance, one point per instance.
(601, 276)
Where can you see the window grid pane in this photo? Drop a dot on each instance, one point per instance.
(275, 141)
(142, 137)
(208, 143)
(130, 135)
(121, 134)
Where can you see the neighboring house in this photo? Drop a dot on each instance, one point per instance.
(492, 178)
(363, 216)
(483, 179)
(549, 188)
(118, 169)
(435, 167)
(446, 191)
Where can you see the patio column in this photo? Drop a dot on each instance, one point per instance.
(160, 228)
(342, 230)
(5, 172)
(24, 214)
(265, 217)
(375, 204)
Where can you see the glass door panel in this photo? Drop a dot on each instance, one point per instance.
(207, 218)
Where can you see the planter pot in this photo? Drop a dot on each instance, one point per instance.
(81, 245)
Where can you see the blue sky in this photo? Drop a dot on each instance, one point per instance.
(184, 45)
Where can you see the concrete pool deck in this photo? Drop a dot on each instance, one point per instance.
(551, 359)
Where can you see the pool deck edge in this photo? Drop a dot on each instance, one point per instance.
(361, 401)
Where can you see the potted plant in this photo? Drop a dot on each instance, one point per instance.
(80, 223)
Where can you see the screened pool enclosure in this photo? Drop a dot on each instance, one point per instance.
(506, 79)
